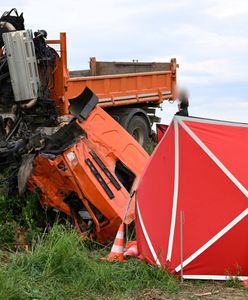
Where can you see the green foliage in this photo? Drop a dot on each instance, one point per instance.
(233, 282)
(20, 212)
(149, 149)
(11, 284)
(6, 233)
(60, 266)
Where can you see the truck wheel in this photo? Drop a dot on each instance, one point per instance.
(138, 128)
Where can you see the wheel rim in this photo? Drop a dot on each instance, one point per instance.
(138, 135)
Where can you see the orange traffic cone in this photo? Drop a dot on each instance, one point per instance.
(131, 249)
(117, 250)
(245, 283)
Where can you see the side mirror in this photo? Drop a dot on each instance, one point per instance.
(82, 105)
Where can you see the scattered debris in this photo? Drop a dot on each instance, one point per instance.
(206, 294)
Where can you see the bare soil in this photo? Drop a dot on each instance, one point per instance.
(196, 291)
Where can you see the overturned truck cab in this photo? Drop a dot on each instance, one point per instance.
(87, 169)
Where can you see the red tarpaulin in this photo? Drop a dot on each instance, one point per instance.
(192, 206)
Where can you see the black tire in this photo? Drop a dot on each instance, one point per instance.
(139, 129)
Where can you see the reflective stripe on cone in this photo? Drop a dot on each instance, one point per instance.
(117, 250)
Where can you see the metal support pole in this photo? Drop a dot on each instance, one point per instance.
(181, 243)
(125, 215)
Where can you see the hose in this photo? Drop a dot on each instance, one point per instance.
(30, 104)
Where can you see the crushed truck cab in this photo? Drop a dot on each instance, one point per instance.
(88, 170)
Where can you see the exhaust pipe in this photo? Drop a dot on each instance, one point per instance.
(7, 25)
(30, 104)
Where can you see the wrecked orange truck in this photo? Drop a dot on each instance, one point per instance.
(58, 129)
(91, 174)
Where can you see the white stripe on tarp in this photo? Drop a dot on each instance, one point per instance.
(213, 239)
(210, 121)
(175, 192)
(214, 277)
(120, 235)
(148, 241)
(117, 249)
(214, 158)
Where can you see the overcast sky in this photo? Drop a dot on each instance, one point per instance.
(209, 38)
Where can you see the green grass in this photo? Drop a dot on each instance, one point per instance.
(149, 149)
(59, 265)
(62, 266)
(26, 212)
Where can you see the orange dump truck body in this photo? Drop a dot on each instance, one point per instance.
(115, 84)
